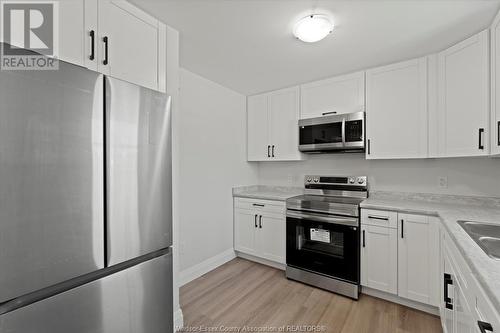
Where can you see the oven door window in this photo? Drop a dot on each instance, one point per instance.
(320, 134)
(324, 248)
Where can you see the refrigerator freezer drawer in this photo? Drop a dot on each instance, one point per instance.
(139, 174)
(135, 300)
(52, 177)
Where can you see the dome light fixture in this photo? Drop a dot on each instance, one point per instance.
(313, 28)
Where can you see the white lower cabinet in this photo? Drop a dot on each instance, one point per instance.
(463, 306)
(418, 244)
(259, 229)
(379, 258)
(400, 258)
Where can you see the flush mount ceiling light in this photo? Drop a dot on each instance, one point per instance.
(313, 28)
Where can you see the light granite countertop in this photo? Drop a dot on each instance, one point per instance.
(279, 193)
(450, 209)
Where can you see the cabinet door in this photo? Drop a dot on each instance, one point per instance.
(271, 237)
(447, 314)
(342, 94)
(495, 86)
(379, 260)
(396, 110)
(464, 98)
(464, 320)
(77, 19)
(418, 268)
(283, 122)
(258, 147)
(245, 222)
(132, 43)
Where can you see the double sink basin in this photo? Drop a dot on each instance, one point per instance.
(486, 235)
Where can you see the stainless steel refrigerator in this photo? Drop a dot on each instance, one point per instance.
(85, 204)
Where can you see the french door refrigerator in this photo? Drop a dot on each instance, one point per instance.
(85, 204)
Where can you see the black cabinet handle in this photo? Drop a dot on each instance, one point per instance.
(258, 205)
(272, 151)
(92, 44)
(105, 41)
(447, 300)
(364, 245)
(327, 113)
(481, 131)
(483, 326)
(402, 228)
(268, 152)
(378, 218)
(260, 221)
(498, 133)
(255, 220)
(369, 149)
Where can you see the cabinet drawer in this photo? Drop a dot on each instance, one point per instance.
(379, 218)
(483, 309)
(261, 205)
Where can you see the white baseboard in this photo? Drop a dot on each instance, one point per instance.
(261, 261)
(178, 320)
(206, 266)
(403, 301)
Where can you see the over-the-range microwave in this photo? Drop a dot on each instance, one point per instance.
(333, 133)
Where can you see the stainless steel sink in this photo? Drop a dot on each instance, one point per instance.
(486, 235)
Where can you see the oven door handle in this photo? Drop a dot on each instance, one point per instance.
(353, 222)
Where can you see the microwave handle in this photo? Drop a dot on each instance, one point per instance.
(343, 132)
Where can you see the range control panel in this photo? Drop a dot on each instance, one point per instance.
(336, 180)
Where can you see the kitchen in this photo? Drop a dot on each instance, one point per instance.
(245, 173)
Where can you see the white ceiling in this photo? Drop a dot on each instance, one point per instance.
(247, 45)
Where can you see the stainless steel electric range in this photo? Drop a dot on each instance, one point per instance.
(323, 233)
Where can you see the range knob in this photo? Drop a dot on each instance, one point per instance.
(316, 180)
(351, 180)
(361, 180)
(309, 180)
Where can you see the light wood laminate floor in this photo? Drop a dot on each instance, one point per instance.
(242, 293)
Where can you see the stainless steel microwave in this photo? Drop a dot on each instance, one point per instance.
(344, 132)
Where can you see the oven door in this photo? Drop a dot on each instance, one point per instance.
(323, 243)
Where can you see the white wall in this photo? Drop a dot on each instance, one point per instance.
(212, 159)
(466, 176)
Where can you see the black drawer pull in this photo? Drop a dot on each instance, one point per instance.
(483, 326)
(268, 152)
(378, 218)
(327, 113)
(402, 228)
(255, 219)
(364, 245)
(258, 205)
(273, 151)
(498, 133)
(260, 221)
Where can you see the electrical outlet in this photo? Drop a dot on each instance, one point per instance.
(443, 182)
(289, 179)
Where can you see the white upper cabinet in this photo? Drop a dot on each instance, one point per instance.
(78, 32)
(258, 128)
(461, 119)
(495, 86)
(342, 94)
(128, 40)
(114, 38)
(272, 121)
(284, 128)
(396, 110)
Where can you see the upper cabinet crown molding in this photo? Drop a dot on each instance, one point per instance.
(340, 94)
(461, 122)
(396, 96)
(115, 38)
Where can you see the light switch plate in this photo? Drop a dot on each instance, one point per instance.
(443, 182)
